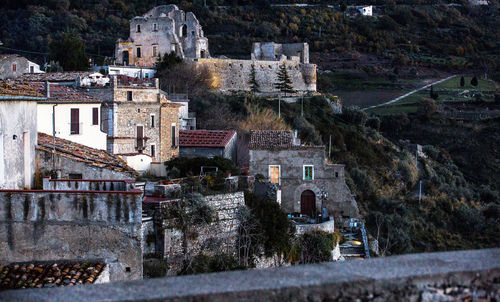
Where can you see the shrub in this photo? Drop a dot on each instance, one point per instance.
(316, 247)
(203, 264)
(306, 130)
(354, 116)
(489, 195)
(374, 123)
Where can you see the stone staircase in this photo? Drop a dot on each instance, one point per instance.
(354, 243)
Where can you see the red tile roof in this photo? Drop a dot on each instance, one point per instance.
(94, 157)
(271, 139)
(58, 273)
(66, 76)
(205, 138)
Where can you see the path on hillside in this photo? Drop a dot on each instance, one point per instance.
(410, 93)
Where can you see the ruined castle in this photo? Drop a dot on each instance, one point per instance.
(165, 29)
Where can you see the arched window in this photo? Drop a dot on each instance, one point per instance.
(184, 30)
(138, 28)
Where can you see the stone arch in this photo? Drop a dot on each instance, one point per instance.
(184, 30)
(298, 193)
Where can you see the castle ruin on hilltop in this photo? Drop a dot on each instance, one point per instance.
(165, 29)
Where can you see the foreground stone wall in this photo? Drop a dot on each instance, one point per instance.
(449, 276)
(56, 225)
(230, 75)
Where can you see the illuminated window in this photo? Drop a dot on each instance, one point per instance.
(308, 172)
(274, 174)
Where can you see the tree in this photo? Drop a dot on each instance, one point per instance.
(462, 81)
(167, 62)
(254, 85)
(434, 95)
(69, 51)
(474, 82)
(284, 84)
(427, 108)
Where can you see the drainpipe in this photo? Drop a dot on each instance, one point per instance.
(53, 139)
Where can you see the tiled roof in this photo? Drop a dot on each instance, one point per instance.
(58, 93)
(59, 273)
(6, 56)
(94, 157)
(66, 76)
(205, 138)
(271, 139)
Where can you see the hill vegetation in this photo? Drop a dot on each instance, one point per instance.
(427, 34)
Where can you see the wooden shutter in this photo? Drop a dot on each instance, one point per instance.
(95, 116)
(75, 121)
(140, 138)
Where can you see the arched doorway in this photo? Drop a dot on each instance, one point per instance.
(125, 58)
(308, 203)
(184, 30)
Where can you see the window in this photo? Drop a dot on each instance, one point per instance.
(155, 27)
(129, 95)
(138, 28)
(308, 172)
(32, 69)
(14, 67)
(75, 121)
(152, 121)
(95, 116)
(274, 174)
(184, 30)
(75, 176)
(138, 52)
(336, 174)
(155, 53)
(153, 150)
(140, 138)
(173, 136)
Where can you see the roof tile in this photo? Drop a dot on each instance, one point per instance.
(205, 138)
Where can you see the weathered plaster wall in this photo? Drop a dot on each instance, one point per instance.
(90, 135)
(88, 185)
(17, 157)
(68, 166)
(53, 225)
(233, 75)
(6, 70)
(327, 179)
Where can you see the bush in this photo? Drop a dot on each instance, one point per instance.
(489, 195)
(374, 123)
(363, 183)
(306, 130)
(204, 264)
(316, 247)
(354, 115)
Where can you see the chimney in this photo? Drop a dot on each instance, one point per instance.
(157, 83)
(47, 89)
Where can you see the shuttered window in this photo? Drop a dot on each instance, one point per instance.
(75, 121)
(95, 116)
(274, 174)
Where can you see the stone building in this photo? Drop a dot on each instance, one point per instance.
(140, 120)
(307, 183)
(74, 220)
(208, 143)
(75, 161)
(18, 136)
(162, 30)
(14, 66)
(270, 51)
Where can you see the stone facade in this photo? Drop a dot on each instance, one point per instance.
(58, 225)
(230, 75)
(143, 105)
(219, 236)
(18, 137)
(270, 51)
(327, 183)
(162, 30)
(14, 66)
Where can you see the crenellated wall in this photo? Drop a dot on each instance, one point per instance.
(58, 225)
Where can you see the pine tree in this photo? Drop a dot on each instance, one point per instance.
(462, 81)
(474, 82)
(254, 85)
(284, 84)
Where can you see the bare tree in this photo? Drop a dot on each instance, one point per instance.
(248, 236)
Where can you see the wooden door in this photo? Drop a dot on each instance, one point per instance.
(308, 203)
(140, 137)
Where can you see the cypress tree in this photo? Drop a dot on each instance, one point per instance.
(254, 85)
(474, 82)
(462, 81)
(434, 95)
(284, 84)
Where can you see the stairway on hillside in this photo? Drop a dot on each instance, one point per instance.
(352, 246)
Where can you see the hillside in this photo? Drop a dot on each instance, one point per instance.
(456, 212)
(433, 35)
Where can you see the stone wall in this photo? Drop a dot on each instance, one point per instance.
(448, 276)
(6, 70)
(218, 237)
(88, 185)
(230, 75)
(18, 137)
(68, 166)
(58, 225)
(270, 51)
(327, 179)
